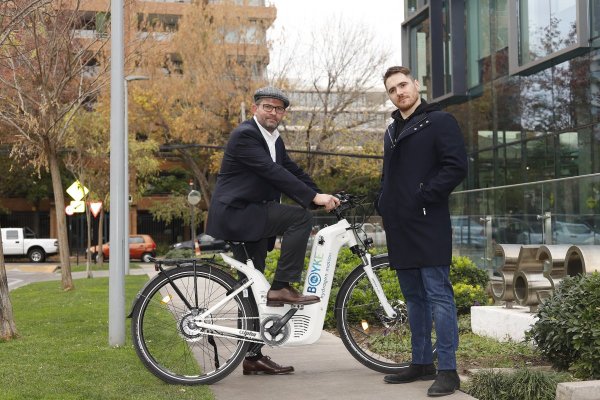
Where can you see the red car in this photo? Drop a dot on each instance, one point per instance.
(141, 247)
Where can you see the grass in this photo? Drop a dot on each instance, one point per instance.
(62, 351)
(476, 351)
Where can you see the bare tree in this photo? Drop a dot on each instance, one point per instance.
(11, 14)
(44, 79)
(336, 102)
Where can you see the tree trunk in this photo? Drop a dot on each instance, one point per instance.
(88, 254)
(100, 255)
(198, 173)
(8, 329)
(59, 204)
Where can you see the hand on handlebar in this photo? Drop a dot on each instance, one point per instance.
(326, 200)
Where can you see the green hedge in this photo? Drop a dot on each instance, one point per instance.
(468, 280)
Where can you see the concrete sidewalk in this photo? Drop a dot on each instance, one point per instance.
(324, 371)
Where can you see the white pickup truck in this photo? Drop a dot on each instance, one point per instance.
(22, 242)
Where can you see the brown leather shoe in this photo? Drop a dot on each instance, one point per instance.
(288, 295)
(265, 366)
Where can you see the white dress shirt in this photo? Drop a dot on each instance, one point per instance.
(271, 138)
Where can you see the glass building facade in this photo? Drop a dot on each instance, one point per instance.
(523, 79)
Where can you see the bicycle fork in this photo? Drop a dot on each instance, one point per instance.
(387, 308)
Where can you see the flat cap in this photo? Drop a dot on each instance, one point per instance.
(272, 93)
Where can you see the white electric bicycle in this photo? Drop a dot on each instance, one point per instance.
(194, 322)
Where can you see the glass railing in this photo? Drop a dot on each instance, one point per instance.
(558, 211)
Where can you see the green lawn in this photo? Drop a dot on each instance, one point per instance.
(62, 351)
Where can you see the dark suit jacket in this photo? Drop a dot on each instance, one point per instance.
(248, 179)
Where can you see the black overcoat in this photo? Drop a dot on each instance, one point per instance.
(421, 167)
(248, 179)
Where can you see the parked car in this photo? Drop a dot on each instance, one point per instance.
(206, 242)
(20, 242)
(467, 231)
(516, 231)
(573, 233)
(141, 247)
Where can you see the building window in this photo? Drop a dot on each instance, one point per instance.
(419, 54)
(595, 19)
(547, 32)
(545, 27)
(487, 40)
(412, 6)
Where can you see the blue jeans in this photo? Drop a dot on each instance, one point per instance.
(430, 298)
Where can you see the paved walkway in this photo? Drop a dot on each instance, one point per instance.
(324, 371)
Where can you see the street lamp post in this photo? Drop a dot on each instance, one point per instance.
(127, 79)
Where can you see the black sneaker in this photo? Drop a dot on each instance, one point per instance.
(424, 372)
(447, 382)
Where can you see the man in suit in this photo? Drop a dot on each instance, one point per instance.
(245, 206)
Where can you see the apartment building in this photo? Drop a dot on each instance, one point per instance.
(151, 22)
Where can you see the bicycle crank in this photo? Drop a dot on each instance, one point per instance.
(270, 338)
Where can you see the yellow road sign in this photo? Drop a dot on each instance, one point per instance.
(77, 191)
(78, 206)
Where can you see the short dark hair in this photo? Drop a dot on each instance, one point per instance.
(396, 69)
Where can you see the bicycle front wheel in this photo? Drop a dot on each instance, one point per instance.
(168, 341)
(375, 340)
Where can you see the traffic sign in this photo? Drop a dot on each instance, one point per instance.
(95, 207)
(78, 206)
(77, 191)
(69, 210)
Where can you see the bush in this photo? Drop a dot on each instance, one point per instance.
(466, 295)
(180, 253)
(523, 384)
(567, 331)
(469, 283)
(463, 270)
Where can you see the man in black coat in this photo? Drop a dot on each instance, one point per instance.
(424, 160)
(245, 206)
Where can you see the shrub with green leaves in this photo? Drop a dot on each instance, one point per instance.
(469, 283)
(567, 331)
(466, 295)
(464, 270)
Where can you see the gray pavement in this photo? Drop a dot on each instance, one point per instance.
(324, 370)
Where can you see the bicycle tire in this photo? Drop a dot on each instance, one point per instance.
(165, 338)
(374, 340)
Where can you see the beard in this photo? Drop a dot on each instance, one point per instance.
(407, 102)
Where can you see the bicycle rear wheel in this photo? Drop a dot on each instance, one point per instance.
(166, 338)
(375, 340)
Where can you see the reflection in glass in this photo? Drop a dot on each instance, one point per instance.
(595, 19)
(419, 55)
(487, 28)
(545, 27)
(515, 215)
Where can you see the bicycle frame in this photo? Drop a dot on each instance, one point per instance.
(306, 324)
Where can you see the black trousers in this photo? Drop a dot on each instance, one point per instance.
(294, 224)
